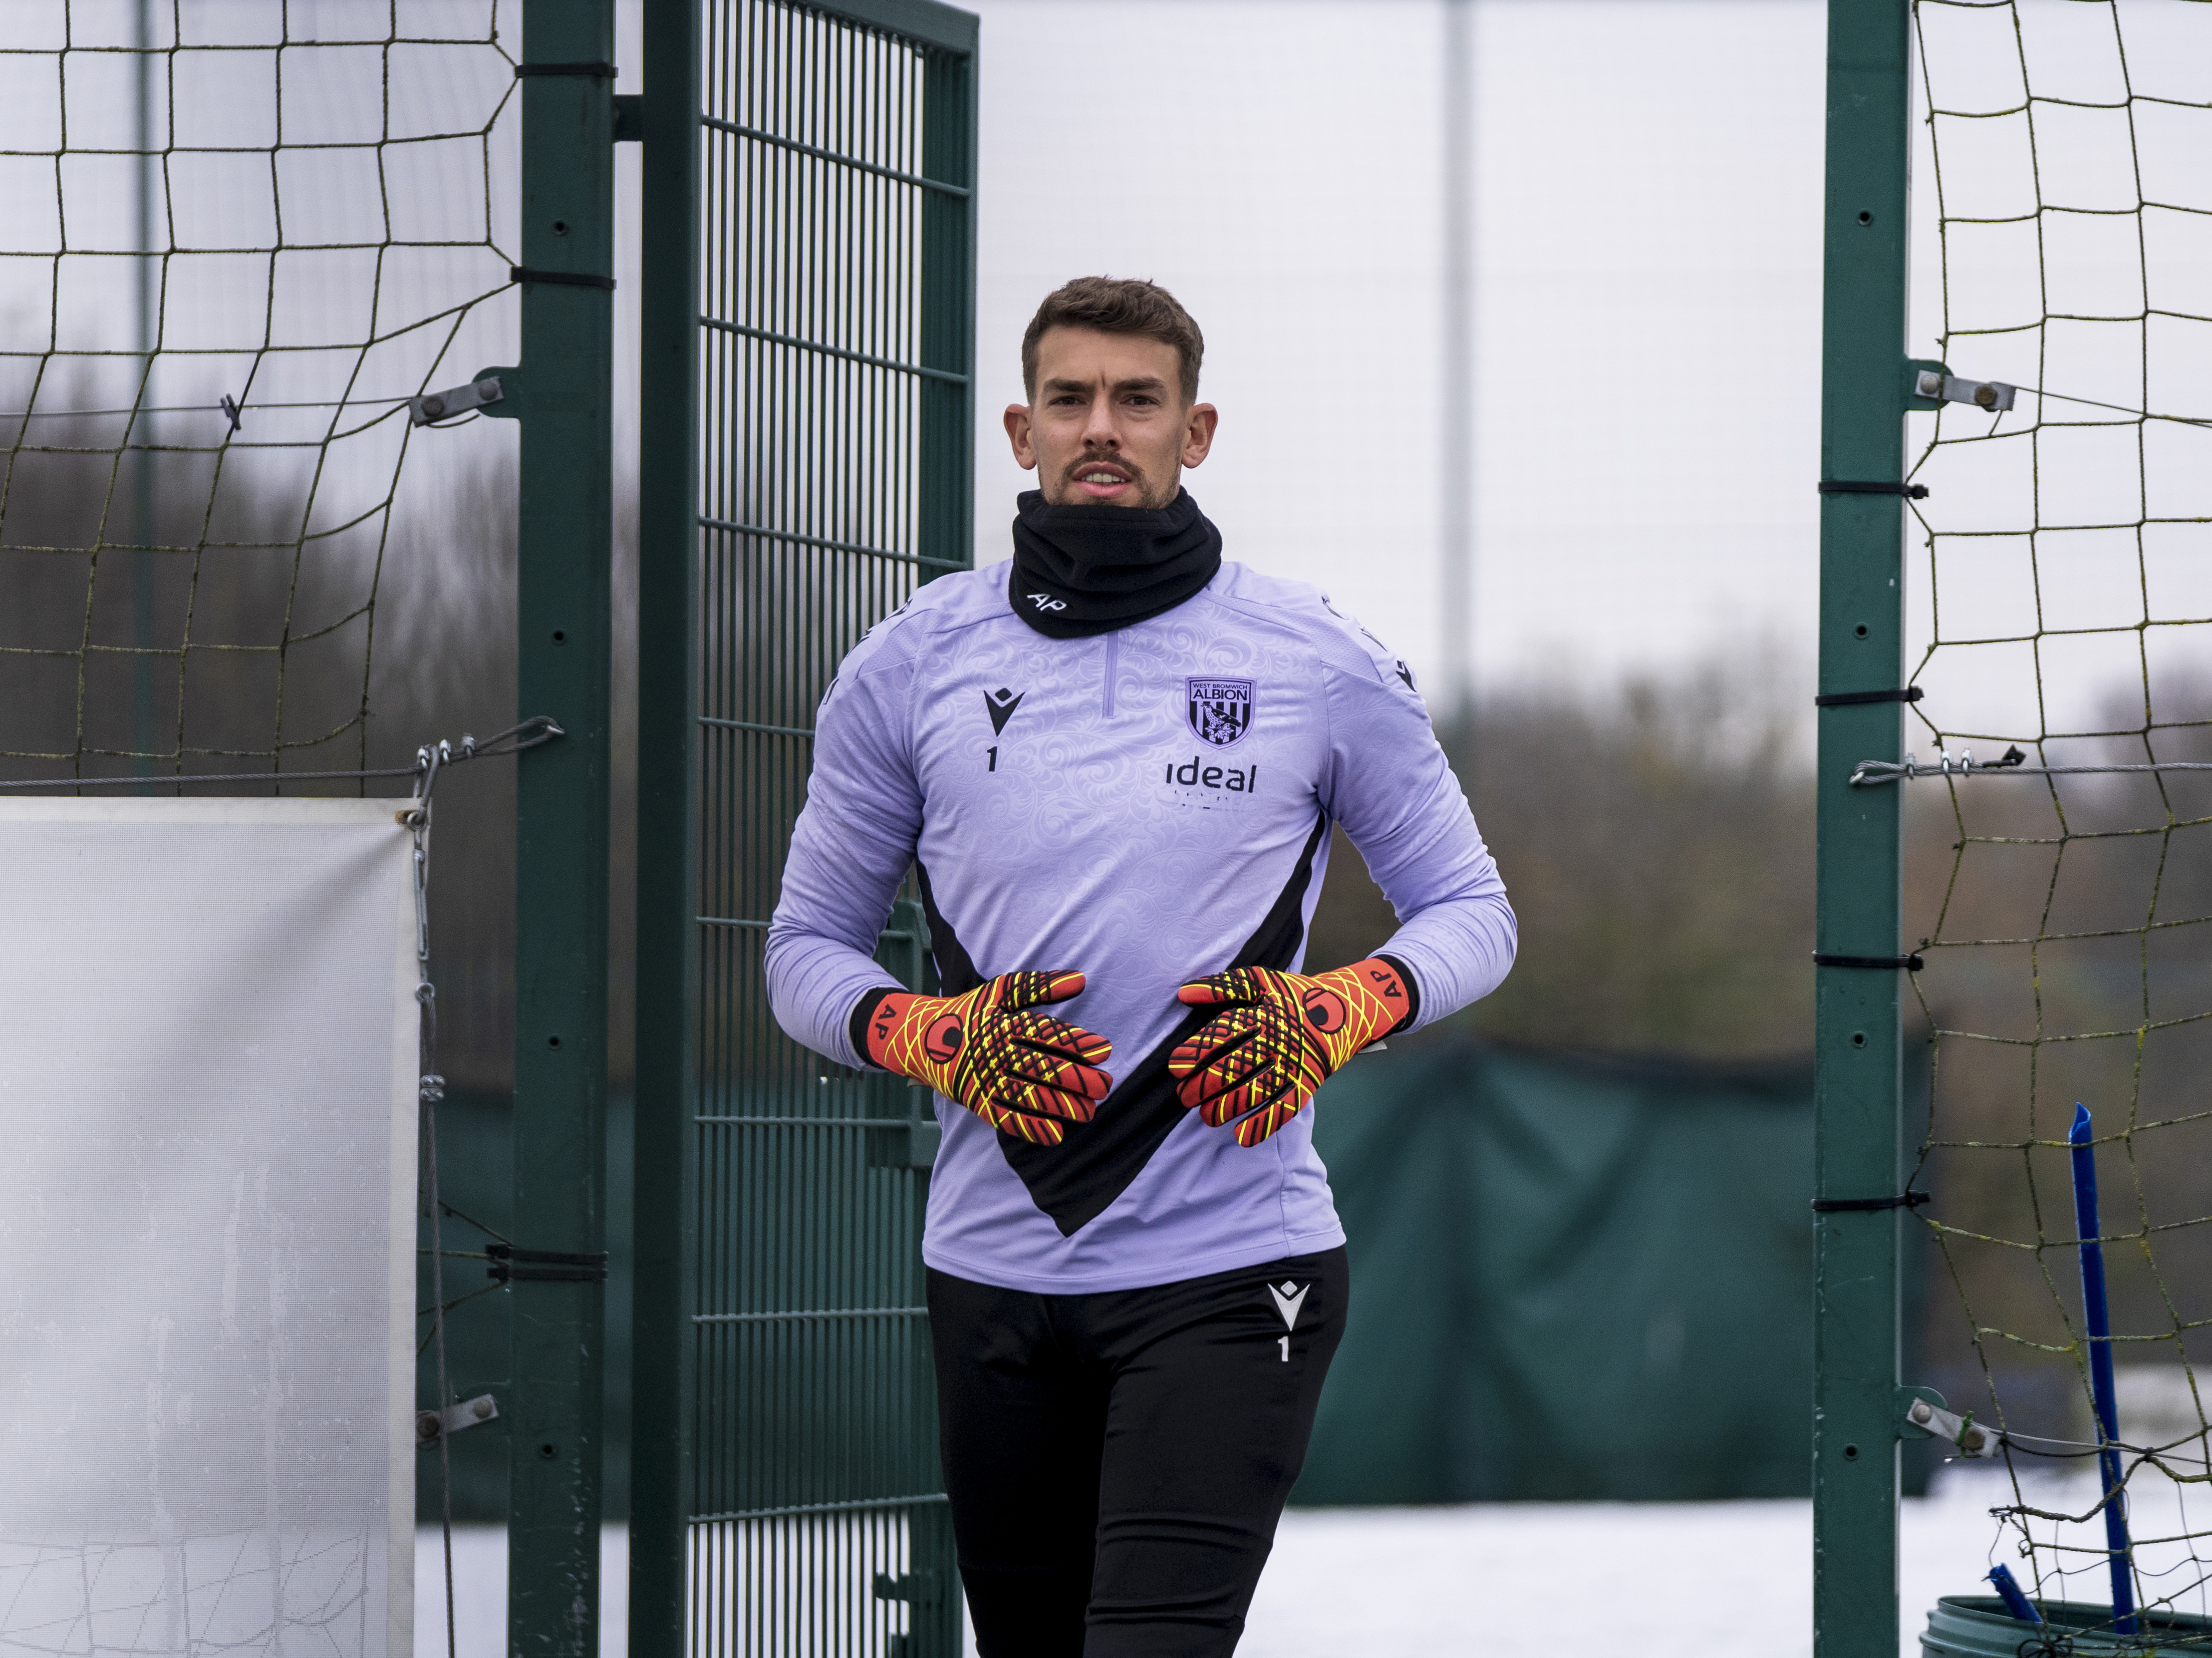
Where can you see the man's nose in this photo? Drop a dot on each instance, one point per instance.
(1098, 430)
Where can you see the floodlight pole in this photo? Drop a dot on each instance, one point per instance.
(1456, 429)
(1856, 1032)
(563, 398)
(142, 427)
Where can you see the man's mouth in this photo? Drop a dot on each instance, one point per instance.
(1101, 481)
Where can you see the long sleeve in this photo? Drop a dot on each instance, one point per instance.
(849, 850)
(1388, 782)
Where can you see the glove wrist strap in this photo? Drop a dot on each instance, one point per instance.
(1409, 984)
(1375, 989)
(874, 1017)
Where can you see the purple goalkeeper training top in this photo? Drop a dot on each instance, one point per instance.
(1148, 806)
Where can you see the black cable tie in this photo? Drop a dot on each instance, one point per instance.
(510, 1264)
(1887, 963)
(1851, 699)
(1864, 487)
(231, 411)
(516, 273)
(1849, 1206)
(594, 71)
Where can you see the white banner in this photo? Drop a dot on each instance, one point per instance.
(207, 1227)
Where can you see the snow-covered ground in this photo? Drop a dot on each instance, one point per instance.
(1646, 1580)
(1638, 1580)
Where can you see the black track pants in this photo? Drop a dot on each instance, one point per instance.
(1117, 1462)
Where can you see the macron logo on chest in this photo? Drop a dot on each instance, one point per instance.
(1001, 705)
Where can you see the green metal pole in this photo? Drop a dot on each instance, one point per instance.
(665, 1224)
(947, 523)
(566, 409)
(948, 297)
(1856, 1087)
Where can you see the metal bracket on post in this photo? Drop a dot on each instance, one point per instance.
(508, 404)
(1933, 385)
(433, 406)
(1922, 1415)
(469, 1413)
(1914, 368)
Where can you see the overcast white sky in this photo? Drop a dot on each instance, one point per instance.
(1647, 179)
(1647, 184)
(1647, 187)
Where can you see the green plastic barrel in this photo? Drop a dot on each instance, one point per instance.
(1978, 1626)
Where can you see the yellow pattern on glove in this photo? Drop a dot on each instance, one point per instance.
(1282, 1037)
(1026, 1073)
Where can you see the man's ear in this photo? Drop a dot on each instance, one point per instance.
(1018, 434)
(1198, 432)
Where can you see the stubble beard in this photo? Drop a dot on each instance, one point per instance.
(1141, 493)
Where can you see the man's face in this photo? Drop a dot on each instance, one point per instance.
(1109, 426)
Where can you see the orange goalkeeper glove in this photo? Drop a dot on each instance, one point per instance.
(1023, 1071)
(1284, 1035)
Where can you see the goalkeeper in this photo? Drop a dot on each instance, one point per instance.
(1112, 763)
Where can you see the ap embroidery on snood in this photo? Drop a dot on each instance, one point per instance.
(1080, 571)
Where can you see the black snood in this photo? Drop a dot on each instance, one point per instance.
(1085, 570)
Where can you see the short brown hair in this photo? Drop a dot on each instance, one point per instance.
(1114, 305)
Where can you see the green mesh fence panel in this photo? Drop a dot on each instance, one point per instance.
(835, 326)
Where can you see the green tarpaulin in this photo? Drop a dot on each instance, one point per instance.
(1571, 1277)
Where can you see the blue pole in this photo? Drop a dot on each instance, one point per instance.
(2099, 1318)
(2009, 1592)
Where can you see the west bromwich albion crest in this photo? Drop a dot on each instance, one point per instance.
(1220, 710)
